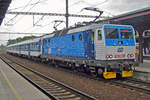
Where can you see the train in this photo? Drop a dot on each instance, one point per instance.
(104, 50)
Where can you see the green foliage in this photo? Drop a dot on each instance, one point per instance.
(17, 40)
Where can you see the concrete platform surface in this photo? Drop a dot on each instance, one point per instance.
(144, 67)
(15, 87)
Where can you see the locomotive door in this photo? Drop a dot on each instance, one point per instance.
(99, 44)
(89, 44)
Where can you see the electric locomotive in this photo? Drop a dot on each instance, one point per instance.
(106, 50)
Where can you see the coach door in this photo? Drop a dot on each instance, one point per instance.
(41, 49)
(99, 44)
(43, 42)
(28, 46)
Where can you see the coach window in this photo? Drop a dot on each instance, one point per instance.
(32, 45)
(73, 38)
(26, 47)
(80, 37)
(99, 34)
(36, 45)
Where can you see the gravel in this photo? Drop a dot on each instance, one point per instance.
(97, 89)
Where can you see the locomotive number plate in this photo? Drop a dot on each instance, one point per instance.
(120, 56)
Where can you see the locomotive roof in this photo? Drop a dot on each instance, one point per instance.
(67, 31)
(70, 30)
(83, 28)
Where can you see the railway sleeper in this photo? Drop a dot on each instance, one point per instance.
(62, 91)
(66, 96)
(51, 91)
(62, 94)
(54, 89)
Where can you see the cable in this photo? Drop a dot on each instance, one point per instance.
(28, 4)
(17, 15)
(24, 6)
(27, 11)
(92, 5)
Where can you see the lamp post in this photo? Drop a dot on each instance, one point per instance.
(67, 14)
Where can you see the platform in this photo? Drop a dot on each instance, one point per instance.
(142, 72)
(15, 87)
(145, 66)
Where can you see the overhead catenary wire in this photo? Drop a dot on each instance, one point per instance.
(69, 15)
(17, 15)
(28, 11)
(89, 4)
(28, 5)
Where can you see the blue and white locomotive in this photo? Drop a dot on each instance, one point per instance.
(106, 50)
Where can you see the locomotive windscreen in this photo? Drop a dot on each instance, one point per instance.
(119, 35)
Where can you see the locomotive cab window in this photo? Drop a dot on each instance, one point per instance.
(73, 38)
(99, 34)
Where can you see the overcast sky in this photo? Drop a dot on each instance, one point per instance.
(25, 23)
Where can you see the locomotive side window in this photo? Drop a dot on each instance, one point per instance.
(80, 37)
(49, 41)
(126, 34)
(92, 36)
(99, 35)
(73, 38)
(111, 33)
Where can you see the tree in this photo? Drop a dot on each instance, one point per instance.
(17, 40)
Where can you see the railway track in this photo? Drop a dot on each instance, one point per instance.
(133, 84)
(127, 83)
(52, 88)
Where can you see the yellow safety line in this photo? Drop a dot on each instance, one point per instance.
(11, 86)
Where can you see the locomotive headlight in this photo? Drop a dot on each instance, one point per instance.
(109, 56)
(130, 55)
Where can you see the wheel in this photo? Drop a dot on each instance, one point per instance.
(99, 72)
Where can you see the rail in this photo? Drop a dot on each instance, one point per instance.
(52, 88)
